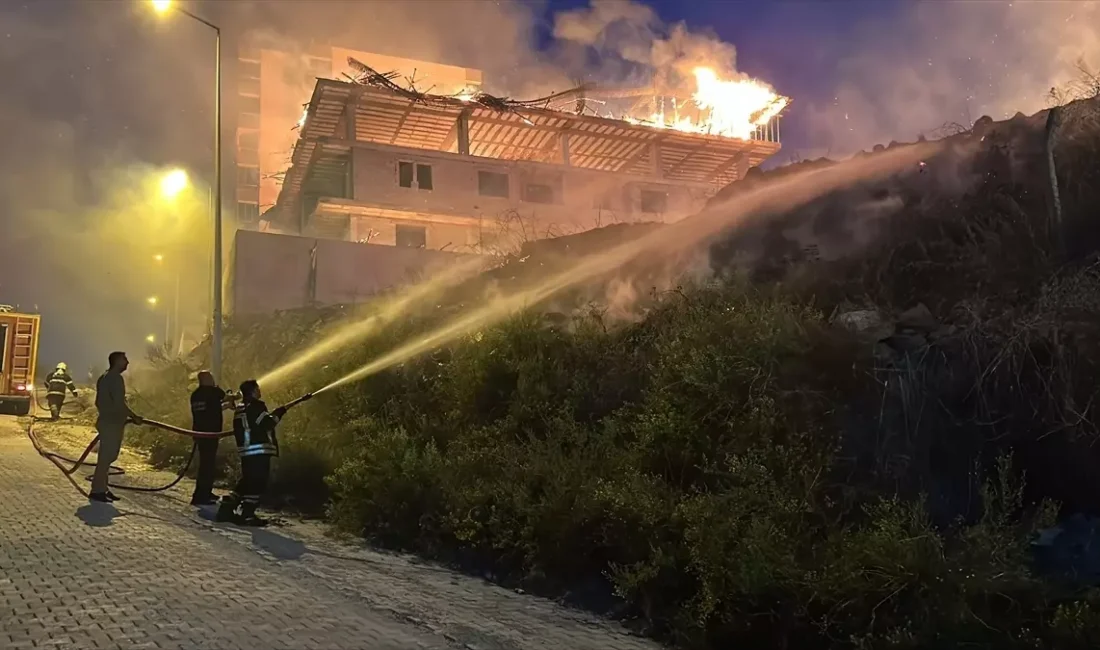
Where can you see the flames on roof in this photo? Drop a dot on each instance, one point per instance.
(728, 108)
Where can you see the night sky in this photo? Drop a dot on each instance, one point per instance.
(795, 46)
(95, 87)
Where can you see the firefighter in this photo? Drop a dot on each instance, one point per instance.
(254, 430)
(114, 414)
(56, 383)
(207, 403)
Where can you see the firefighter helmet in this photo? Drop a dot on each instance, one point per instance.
(61, 366)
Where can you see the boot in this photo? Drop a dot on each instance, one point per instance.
(249, 518)
(227, 511)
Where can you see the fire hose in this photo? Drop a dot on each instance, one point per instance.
(77, 463)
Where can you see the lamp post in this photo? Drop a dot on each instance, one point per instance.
(172, 185)
(161, 7)
(172, 328)
(153, 302)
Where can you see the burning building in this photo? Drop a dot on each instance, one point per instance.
(451, 168)
(271, 85)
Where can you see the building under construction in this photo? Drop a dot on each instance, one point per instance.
(272, 82)
(377, 161)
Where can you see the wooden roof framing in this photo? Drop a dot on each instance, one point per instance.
(527, 134)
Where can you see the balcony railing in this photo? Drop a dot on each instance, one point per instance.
(768, 132)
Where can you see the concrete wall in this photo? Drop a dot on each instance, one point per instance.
(582, 199)
(271, 272)
(286, 83)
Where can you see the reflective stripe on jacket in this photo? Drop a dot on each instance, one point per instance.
(254, 429)
(57, 382)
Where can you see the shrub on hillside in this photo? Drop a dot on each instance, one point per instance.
(690, 461)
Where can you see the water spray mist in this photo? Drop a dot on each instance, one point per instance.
(387, 312)
(779, 195)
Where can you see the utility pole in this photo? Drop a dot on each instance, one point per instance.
(216, 354)
(162, 6)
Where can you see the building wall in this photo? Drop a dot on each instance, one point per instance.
(271, 272)
(455, 213)
(268, 272)
(272, 88)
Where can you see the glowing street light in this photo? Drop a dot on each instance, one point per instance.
(158, 257)
(173, 183)
(152, 300)
(163, 7)
(151, 339)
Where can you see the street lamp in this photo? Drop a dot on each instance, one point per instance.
(162, 7)
(152, 300)
(173, 183)
(150, 339)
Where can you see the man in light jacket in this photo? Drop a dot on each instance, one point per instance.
(110, 401)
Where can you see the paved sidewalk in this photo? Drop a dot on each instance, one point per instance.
(150, 573)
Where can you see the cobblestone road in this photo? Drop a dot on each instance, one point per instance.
(151, 573)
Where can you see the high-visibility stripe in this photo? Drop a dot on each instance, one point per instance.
(259, 449)
(265, 414)
(247, 430)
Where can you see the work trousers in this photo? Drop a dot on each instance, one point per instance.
(255, 471)
(110, 443)
(208, 458)
(55, 402)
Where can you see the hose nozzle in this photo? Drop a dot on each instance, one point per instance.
(295, 402)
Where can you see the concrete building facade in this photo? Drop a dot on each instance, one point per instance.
(376, 165)
(272, 86)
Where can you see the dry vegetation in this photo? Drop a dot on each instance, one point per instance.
(734, 468)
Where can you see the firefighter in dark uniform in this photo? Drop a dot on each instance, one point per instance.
(254, 430)
(207, 403)
(57, 382)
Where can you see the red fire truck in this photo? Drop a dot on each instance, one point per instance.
(18, 355)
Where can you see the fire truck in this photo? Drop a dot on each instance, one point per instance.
(18, 355)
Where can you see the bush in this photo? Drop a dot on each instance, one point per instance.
(729, 467)
(689, 464)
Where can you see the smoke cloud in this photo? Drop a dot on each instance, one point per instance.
(100, 97)
(631, 33)
(940, 64)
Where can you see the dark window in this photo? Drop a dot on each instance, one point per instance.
(248, 140)
(604, 201)
(249, 52)
(248, 157)
(424, 176)
(492, 184)
(248, 87)
(248, 175)
(248, 70)
(412, 236)
(248, 212)
(654, 202)
(248, 120)
(247, 104)
(538, 193)
(407, 172)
